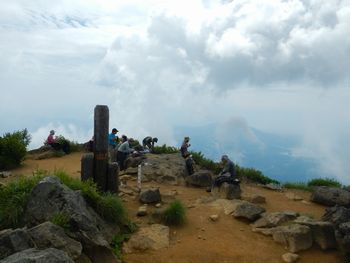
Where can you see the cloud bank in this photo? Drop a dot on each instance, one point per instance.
(280, 66)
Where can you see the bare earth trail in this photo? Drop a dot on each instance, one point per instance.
(200, 240)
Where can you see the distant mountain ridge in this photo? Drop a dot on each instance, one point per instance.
(250, 147)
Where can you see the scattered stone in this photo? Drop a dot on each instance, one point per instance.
(248, 211)
(264, 231)
(168, 197)
(5, 174)
(305, 202)
(48, 235)
(158, 205)
(269, 220)
(227, 191)
(295, 237)
(275, 187)
(303, 219)
(199, 237)
(142, 211)
(191, 206)
(148, 238)
(126, 190)
(293, 196)
(214, 218)
(12, 241)
(323, 234)
(201, 178)
(33, 255)
(331, 196)
(257, 199)
(290, 257)
(227, 205)
(149, 196)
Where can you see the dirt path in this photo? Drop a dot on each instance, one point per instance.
(200, 240)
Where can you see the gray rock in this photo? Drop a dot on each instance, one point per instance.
(50, 255)
(269, 220)
(168, 179)
(271, 186)
(343, 236)
(202, 178)
(337, 215)
(154, 237)
(12, 241)
(149, 196)
(290, 257)
(331, 196)
(48, 235)
(295, 237)
(142, 211)
(322, 234)
(50, 197)
(5, 174)
(248, 211)
(257, 199)
(227, 191)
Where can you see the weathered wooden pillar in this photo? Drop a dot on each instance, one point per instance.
(113, 178)
(87, 167)
(101, 122)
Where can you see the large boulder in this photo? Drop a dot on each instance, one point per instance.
(274, 219)
(149, 196)
(50, 197)
(227, 191)
(248, 211)
(148, 238)
(331, 196)
(50, 255)
(12, 241)
(295, 237)
(343, 236)
(48, 235)
(201, 178)
(337, 215)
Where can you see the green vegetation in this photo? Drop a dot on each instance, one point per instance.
(313, 182)
(175, 214)
(73, 146)
(107, 205)
(204, 162)
(297, 185)
(324, 182)
(117, 245)
(254, 175)
(165, 149)
(13, 148)
(13, 199)
(62, 220)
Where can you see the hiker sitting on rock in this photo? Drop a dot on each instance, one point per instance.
(123, 151)
(51, 140)
(148, 143)
(184, 147)
(227, 175)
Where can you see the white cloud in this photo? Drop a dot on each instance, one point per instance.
(281, 65)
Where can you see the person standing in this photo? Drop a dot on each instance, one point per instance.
(184, 147)
(113, 141)
(123, 152)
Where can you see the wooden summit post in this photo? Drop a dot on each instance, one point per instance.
(101, 127)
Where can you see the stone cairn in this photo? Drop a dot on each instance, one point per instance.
(96, 165)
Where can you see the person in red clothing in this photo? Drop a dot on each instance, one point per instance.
(55, 145)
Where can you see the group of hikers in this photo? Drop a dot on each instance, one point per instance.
(119, 150)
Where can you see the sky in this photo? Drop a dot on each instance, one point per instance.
(280, 66)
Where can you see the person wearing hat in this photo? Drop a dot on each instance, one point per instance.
(113, 141)
(56, 145)
(227, 174)
(184, 147)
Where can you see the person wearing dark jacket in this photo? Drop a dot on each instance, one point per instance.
(148, 143)
(184, 147)
(228, 173)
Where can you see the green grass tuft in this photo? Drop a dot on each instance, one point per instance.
(165, 149)
(13, 199)
(62, 220)
(297, 185)
(175, 214)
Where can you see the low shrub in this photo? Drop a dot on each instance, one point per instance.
(297, 185)
(324, 182)
(206, 163)
(73, 146)
(254, 175)
(165, 149)
(175, 214)
(13, 148)
(13, 199)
